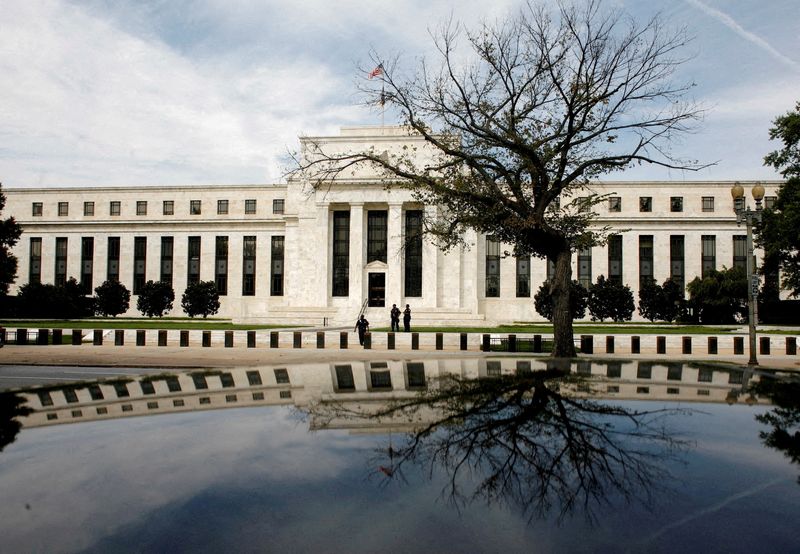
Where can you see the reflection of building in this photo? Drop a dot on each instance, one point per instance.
(358, 384)
(282, 253)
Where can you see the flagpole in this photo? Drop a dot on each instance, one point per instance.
(383, 108)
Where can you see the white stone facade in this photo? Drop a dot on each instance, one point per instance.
(453, 285)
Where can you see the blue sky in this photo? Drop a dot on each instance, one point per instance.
(103, 92)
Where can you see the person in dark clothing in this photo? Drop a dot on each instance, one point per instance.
(395, 317)
(362, 326)
(407, 319)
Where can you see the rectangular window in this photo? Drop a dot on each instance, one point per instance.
(676, 260)
(254, 378)
(709, 253)
(249, 267)
(141, 207)
(277, 206)
(615, 204)
(585, 267)
(61, 261)
(676, 204)
(276, 267)
(615, 259)
(112, 260)
(769, 202)
(222, 207)
(194, 207)
(281, 376)
(645, 203)
(344, 378)
(87, 264)
(35, 266)
(114, 208)
(740, 251)
(708, 203)
(139, 263)
(645, 260)
(221, 265)
(88, 209)
(36, 209)
(492, 267)
(168, 207)
(249, 207)
(167, 253)
(341, 254)
(377, 233)
(193, 267)
(415, 376)
(413, 253)
(523, 276)
(63, 208)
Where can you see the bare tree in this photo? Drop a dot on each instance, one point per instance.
(516, 125)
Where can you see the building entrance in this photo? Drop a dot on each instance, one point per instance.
(377, 290)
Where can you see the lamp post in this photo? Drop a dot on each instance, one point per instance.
(744, 213)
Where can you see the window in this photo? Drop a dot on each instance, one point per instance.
(523, 276)
(194, 207)
(769, 202)
(551, 270)
(35, 265)
(141, 207)
(493, 369)
(200, 382)
(95, 392)
(112, 260)
(415, 376)
(709, 254)
(614, 370)
(61, 261)
(222, 207)
(708, 203)
(276, 267)
(168, 207)
(341, 254)
(250, 207)
(344, 378)
(281, 376)
(740, 251)
(585, 267)
(284, 394)
(413, 253)
(277, 206)
(88, 209)
(139, 263)
(227, 380)
(87, 264)
(615, 204)
(167, 252)
(674, 372)
(63, 208)
(44, 398)
(645, 203)
(258, 396)
(121, 389)
(645, 260)
(377, 221)
(673, 390)
(705, 375)
(221, 265)
(147, 387)
(173, 385)
(249, 266)
(676, 261)
(71, 396)
(381, 380)
(114, 208)
(36, 209)
(492, 267)
(254, 378)
(193, 253)
(676, 204)
(644, 371)
(615, 259)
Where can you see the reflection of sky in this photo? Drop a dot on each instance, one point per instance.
(256, 480)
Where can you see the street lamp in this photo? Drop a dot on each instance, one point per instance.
(744, 213)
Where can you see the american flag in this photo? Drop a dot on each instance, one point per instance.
(377, 71)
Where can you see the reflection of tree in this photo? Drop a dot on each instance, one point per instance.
(11, 407)
(518, 439)
(784, 418)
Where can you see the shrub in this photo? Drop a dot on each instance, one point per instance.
(111, 298)
(543, 301)
(662, 302)
(610, 300)
(43, 300)
(155, 298)
(720, 296)
(201, 298)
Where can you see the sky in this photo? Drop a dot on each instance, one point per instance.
(171, 92)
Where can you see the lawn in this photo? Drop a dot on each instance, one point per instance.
(154, 323)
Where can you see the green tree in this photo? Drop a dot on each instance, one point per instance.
(9, 235)
(779, 232)
(514, 125)
(155, 298)
(111, 298)
(662, 302)
(43, 300)
(543, 301)
(610, 300)
(720, 296)
(200, 298)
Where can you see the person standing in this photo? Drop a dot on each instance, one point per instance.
(362, 326)
(395, 317)
(407, 319)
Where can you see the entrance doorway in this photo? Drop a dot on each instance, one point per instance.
(377, 290)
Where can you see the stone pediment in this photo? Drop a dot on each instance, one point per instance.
(376, 265)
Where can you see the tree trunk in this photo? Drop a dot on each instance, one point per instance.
(563, 343)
